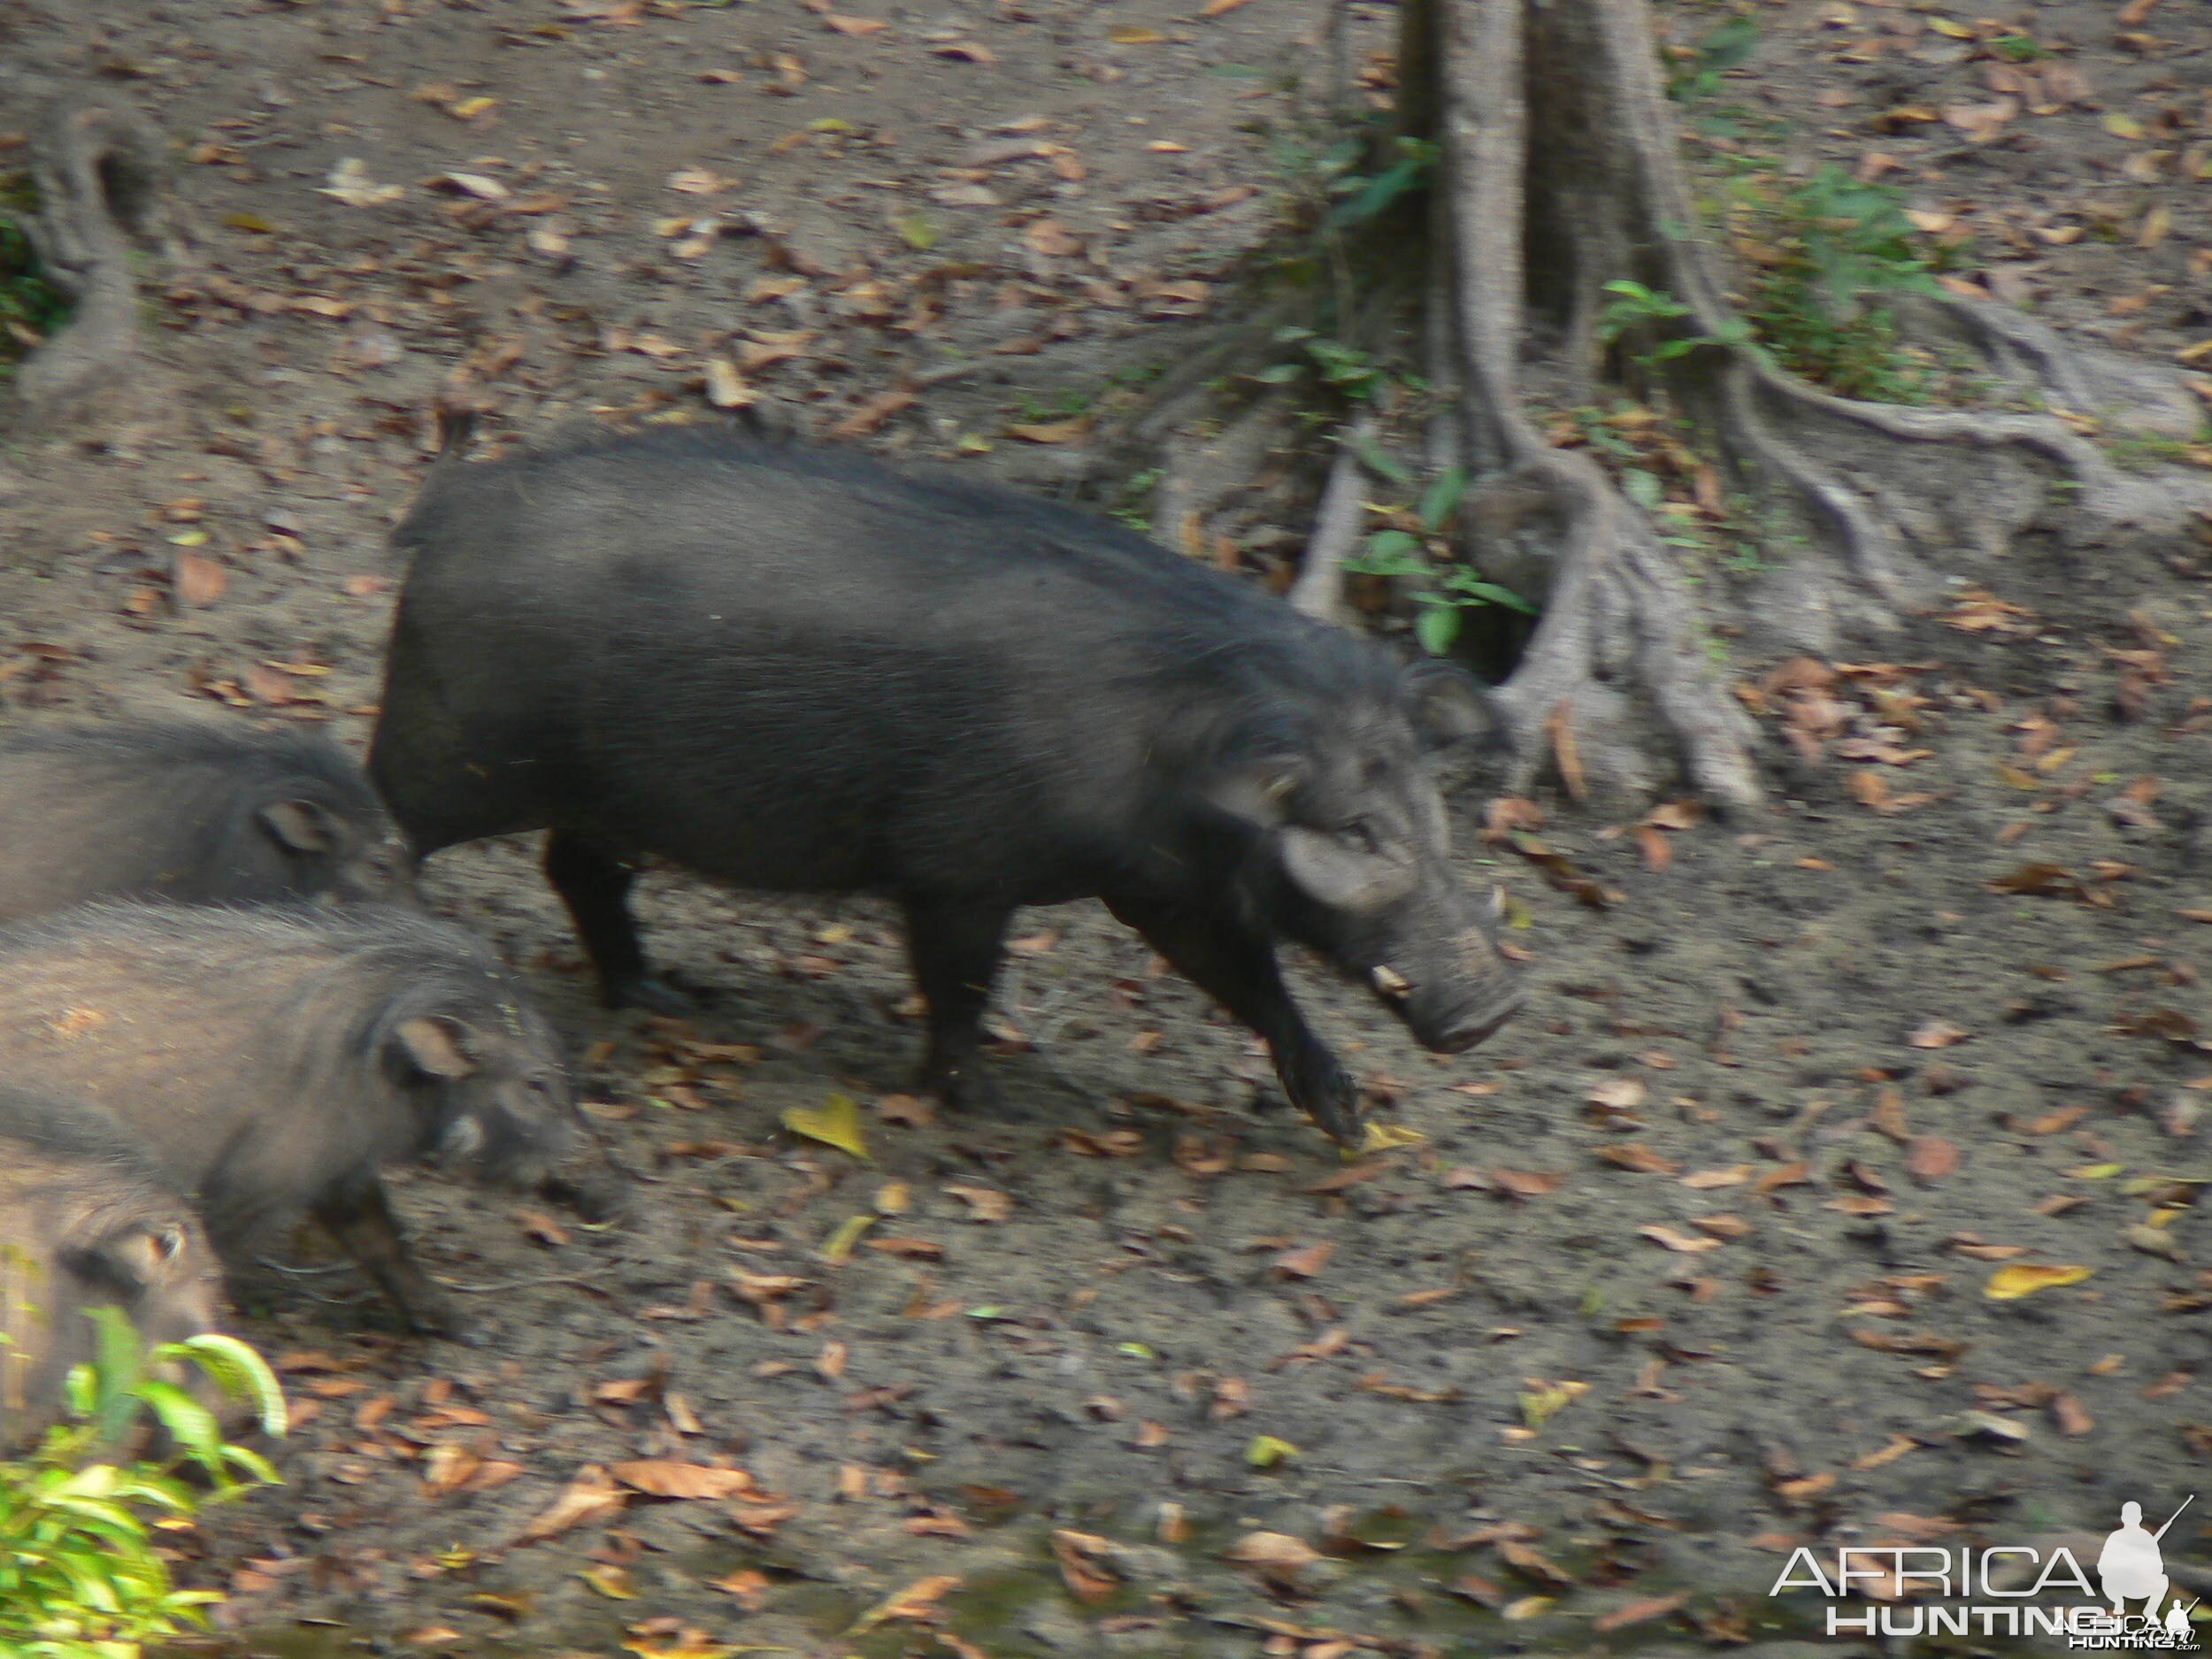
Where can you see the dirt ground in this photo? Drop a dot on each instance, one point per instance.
(1687, 1268)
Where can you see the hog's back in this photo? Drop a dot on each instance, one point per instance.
(791, 669)
(192, 1043)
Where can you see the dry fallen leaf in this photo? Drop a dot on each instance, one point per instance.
(1303, 1264)
(662, 1477)
(834, 1123)
(1937, 1033)
(1272, 1552)
(591, 1497)
(983, 1203)
(198, 582)
(2016, 1280)
(1931, 1158)
(914, 1604)
(1678, 1242)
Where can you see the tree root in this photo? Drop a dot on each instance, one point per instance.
(97, 166)
(1562, 173)
(1319, 589)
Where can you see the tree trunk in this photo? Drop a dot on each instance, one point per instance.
(97, 166)
(1559, 174)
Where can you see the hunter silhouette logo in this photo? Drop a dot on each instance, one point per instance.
(2008, 1590)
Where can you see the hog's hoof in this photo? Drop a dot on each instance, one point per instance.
(652, 993)
(1335, 1110)
(600, 1195)
(436, 1319)
(966, 1088)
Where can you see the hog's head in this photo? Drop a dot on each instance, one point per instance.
(68, 1249)
(340, 852)
(1353, 842)
(492, 1097)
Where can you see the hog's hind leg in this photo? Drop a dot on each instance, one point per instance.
(955, 949)
(595, 886)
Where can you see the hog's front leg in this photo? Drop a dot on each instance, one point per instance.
(359, 1219)
(1237, 968)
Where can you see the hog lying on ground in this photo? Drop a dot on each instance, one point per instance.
(797, 669)
(190, 810)
(86, 1221)
(272, 1060)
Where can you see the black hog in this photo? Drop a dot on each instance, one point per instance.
(798, 669)
(272, 1060)
(188, 811)
(86, 1221)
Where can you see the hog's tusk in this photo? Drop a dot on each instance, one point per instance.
(1390, 982)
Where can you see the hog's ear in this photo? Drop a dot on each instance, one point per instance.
(1257, 790)
(144, 1253)
(305, 826)
(1448, 705)
(433, 1045)
(1334, 873)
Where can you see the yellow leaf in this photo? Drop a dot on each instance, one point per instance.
(469, 109)
(893, 1197)
(1947, 25)
(1385, 1138)
(839, 1246)
(1266, 1451)
(1538, 1406)
(2024, 1279)
(917, 1602)
(725, 387)
(189, 538)
(1529, 1607)
(608, 1581)
(834, 1123)
(2095, 1171)
(2122, 125)
(1135, 37)
(253, 222)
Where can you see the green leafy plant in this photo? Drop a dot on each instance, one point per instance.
(1363, 196)
(1723, 48)
(1635, 308)
(1448, 589)
(31, 308)
(1838, 246)
(80, 1576)
(1351, 372)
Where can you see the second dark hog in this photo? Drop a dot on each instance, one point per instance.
(190, 810)
(271, 1061)
(798, 669)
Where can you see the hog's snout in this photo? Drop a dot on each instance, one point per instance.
(1465, 1002)
(1469, 1027)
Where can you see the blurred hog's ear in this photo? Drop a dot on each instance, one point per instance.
(305, 826)
(1257, 790)
(433, 1045)
(1448, 705)
(145, 1253)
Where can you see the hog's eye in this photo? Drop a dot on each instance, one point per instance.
(1362, 835)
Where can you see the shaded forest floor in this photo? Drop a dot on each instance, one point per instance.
(1687, 1268)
